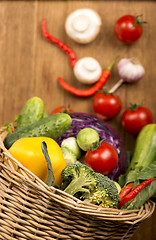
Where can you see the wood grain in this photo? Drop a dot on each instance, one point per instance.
(29, 65)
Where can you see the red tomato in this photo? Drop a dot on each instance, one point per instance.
(106, 106)
(133, 120)
(61, 109)
(128, 28)
(103, 160)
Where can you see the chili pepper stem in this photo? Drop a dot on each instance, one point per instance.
(112, 64)
(116, 86)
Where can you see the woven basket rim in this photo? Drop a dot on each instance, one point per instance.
(71, 202)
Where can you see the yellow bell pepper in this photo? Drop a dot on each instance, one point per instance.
(29, 153)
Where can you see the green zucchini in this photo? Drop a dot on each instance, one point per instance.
(32, 112)
(144, 152)
(53, 126)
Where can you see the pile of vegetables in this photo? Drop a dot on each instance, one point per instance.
(106, 133)
(84, 156)
(80, 153)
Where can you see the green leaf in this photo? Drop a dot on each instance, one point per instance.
(145, 174)
(132, 176)
(121, 180)
(148, 172)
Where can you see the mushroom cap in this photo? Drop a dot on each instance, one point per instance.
(87, 70)
(83, 25)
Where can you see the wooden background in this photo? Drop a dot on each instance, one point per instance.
(30, 65)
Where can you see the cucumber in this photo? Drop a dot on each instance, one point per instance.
(32, 112)
(53, 126)
(144, 152)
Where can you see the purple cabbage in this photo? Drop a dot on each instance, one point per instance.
(106, 133)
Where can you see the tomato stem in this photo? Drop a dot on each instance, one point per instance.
(139, 21)
(134, 106)
(95, 146)
(66, 109)
(105, 90)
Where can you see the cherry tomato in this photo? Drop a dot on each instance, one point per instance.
(103, 160)
(128, 28)
(106, 106)
(135, 118)
(59, 109)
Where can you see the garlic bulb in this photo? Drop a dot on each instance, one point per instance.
(129, 70)
(83, 25)
(87, 70)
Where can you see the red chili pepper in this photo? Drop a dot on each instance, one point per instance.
(131, 195)
(59, 43)
(92, 90)
(125, 190)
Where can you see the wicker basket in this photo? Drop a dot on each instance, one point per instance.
(29, 209)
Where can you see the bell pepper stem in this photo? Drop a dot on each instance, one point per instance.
(51, 178)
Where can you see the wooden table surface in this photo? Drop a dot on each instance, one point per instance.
(30, 65)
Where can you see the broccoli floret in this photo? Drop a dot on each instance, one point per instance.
(106, 194)
(82, 182)
(78, 180)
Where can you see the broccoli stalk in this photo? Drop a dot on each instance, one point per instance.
(81, 181)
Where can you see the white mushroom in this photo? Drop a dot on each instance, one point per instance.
(83, 25)
(87, 70)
